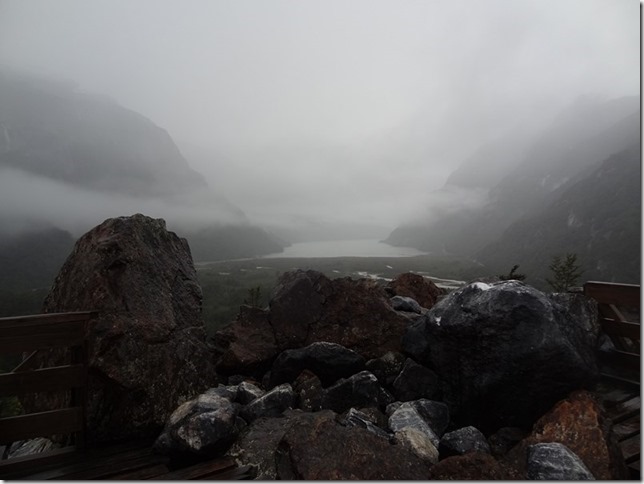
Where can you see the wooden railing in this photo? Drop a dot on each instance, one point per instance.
(619, 312)
(34, 335)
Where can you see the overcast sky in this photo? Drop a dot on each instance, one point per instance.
(340, 109)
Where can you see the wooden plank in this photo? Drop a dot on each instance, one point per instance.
(149, 472)
(634, 470)
(613, 293)
(625, 410)
(619, 328)
(238, 474)
(622, 358)
(200, 470)
(19, 466)
(631, 448)
(37, 319)
(47, 379)
(615, 396)
(627, 428)
(27, 338)
(64, 421)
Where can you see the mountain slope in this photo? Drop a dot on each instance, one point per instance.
(598, 217)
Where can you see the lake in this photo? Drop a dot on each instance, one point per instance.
(345, 248)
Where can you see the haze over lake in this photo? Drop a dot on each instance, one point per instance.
(345, 248)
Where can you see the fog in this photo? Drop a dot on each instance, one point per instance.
(337, 111)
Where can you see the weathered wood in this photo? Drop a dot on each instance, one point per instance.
(625, 410)
(146, 473)
(200, 471)
(64, 421)
(627, 428)
(17, 467)
(621, 328)
(47, 379)
(42, 335)
(631, 448)
(37, 319)
(613, 293)
(615, 396)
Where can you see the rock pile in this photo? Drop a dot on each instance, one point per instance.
(323, 410)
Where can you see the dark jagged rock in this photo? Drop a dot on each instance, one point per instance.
(309, 391)
(319, 448)
(205, 426)
(247, 392)
(406, 304)
(463, 441)
(415, 286)
(505, 352)
(272, 404)
(435, 414)
(504, 439)
(415, 381)
(307, 307)
(578, 423)
(355, 418)
(556, 462)
(248, 345)
(257, 444)
(359, 390)
(387, 367)
(407, 416)
(329, 361)
(148, 351)
(472, 467)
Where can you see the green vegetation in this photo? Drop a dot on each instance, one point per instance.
(566, 272)
(227, 285)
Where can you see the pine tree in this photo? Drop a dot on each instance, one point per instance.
(566, 272)
(513, 275)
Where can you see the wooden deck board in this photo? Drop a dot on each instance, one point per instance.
(627, 428)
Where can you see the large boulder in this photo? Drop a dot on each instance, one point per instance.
(417, 287)
(319, 448)
(147, 347)
(505, 352)
(556, 462)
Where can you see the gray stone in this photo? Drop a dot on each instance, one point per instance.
(272, 404)
(355, 418)
(204, 426)
(360, 390)
(556, 462)
(463, 441)
(247, 392)
(407, 304)
(418, 443)
(329, 361)
(435, 414)
(406, 416)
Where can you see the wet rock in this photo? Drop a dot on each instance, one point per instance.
(415, 381)
(387, 367)
(418, 443)
(307, 307)
(415, 286)
(505, 352)
(578, 423)
(271, 404)
(205, 426)
(463, 441)
(556, 462)
(406, 304)
(406, 416)
(359, 390)
(504, 439)
(247, 392)
(472, 467)
(435, 414)
(355, 418)
(322, 449)
(309, 391)
(147, 347)
(329, 361)
(247, 345)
